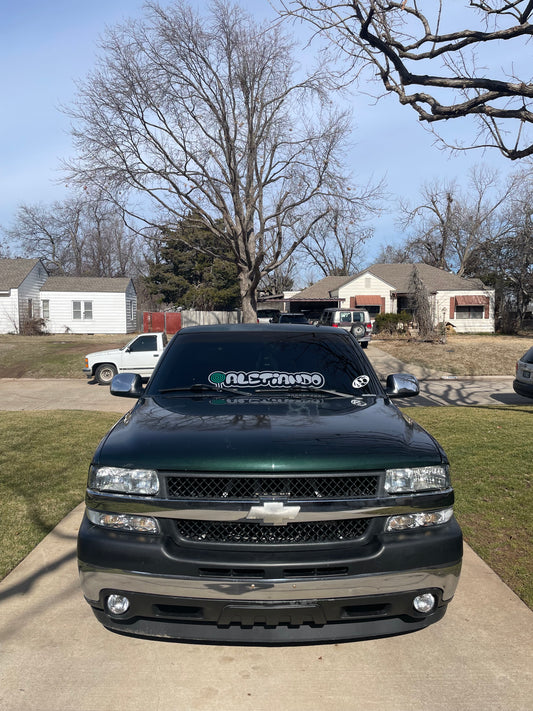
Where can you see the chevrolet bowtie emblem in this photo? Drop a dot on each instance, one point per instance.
(274, 513)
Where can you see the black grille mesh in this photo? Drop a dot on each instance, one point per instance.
(192, 486)
(249, 532)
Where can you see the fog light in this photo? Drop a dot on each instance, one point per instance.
(424, 603)
(118, 604)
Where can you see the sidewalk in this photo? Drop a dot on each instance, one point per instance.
(55, 656)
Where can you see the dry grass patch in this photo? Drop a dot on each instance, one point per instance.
(461, 354)
(51, 356)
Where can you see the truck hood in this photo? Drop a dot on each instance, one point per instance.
(108, 352)
(268, 434)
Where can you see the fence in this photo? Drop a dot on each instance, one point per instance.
(172, 321)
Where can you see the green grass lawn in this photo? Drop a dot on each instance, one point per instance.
(491, 452)
(43, 474)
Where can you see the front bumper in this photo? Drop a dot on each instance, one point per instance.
(270, 612)
(174, 599)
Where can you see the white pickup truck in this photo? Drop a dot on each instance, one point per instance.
(138, 356)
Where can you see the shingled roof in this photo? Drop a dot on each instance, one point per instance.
(116, 285)
(399, 277)
(322, 289)
(14, 271)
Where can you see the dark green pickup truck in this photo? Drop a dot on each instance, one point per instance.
(265, 489)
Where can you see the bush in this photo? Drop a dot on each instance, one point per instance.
(32, 327)
(392, 323)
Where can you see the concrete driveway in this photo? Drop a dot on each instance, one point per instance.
(55, 656)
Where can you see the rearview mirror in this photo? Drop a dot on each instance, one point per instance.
(402, 385)
(127, 385)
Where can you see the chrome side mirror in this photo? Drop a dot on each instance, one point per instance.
(127, 385)
(401, 385)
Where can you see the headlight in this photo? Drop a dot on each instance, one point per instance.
(124, 481)
(405, 522)
(123, 522)
(405, 481)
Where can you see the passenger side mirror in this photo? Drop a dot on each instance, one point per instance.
(401, 385)
(127, 385)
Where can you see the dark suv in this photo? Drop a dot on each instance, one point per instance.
(266, 489)
(290, 318)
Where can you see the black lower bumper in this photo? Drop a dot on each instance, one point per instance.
(268, 623)
(523, 389)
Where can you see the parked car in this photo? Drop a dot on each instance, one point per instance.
(290, 318)
(357, 321)
(264, 315)
(523, 382)
(138, 356)
(266, 489)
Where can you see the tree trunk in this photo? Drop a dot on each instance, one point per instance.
(249, 298)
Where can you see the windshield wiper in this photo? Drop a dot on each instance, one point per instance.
(201, 388)
(301, 389)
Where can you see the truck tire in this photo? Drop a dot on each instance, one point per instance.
(358, 330)
(104, 373)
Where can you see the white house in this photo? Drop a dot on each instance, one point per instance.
(89, 305)
(385, 288)
(20, 283)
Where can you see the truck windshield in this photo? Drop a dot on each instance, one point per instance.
(264, 361)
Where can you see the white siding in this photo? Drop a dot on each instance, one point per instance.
(367, 285)
(9, 312)
(108, 312)
(465, 325)
(15, 306)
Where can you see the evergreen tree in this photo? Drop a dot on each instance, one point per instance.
(183, 276)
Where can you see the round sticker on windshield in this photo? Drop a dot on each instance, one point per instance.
(360, 382)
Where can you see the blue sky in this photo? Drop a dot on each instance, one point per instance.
(46, 46)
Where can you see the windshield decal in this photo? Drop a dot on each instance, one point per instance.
(360, 382)
(264, 379)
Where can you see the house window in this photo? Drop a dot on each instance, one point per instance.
(130, 310)
(45, 308)
(469, 311)
(82, 310)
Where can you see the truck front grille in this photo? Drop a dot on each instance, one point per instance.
(194, 486)
(250, 532)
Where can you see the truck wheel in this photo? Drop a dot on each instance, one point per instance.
(358, 331)
(104, 373)
(364, 344)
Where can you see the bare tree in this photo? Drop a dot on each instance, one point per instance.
(203, 115)
(335, 245)
(80, 236)
(449, 224)
(419, 303)
(420, 51)
(506, 262)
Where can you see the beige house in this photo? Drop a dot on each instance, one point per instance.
(467, 304)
